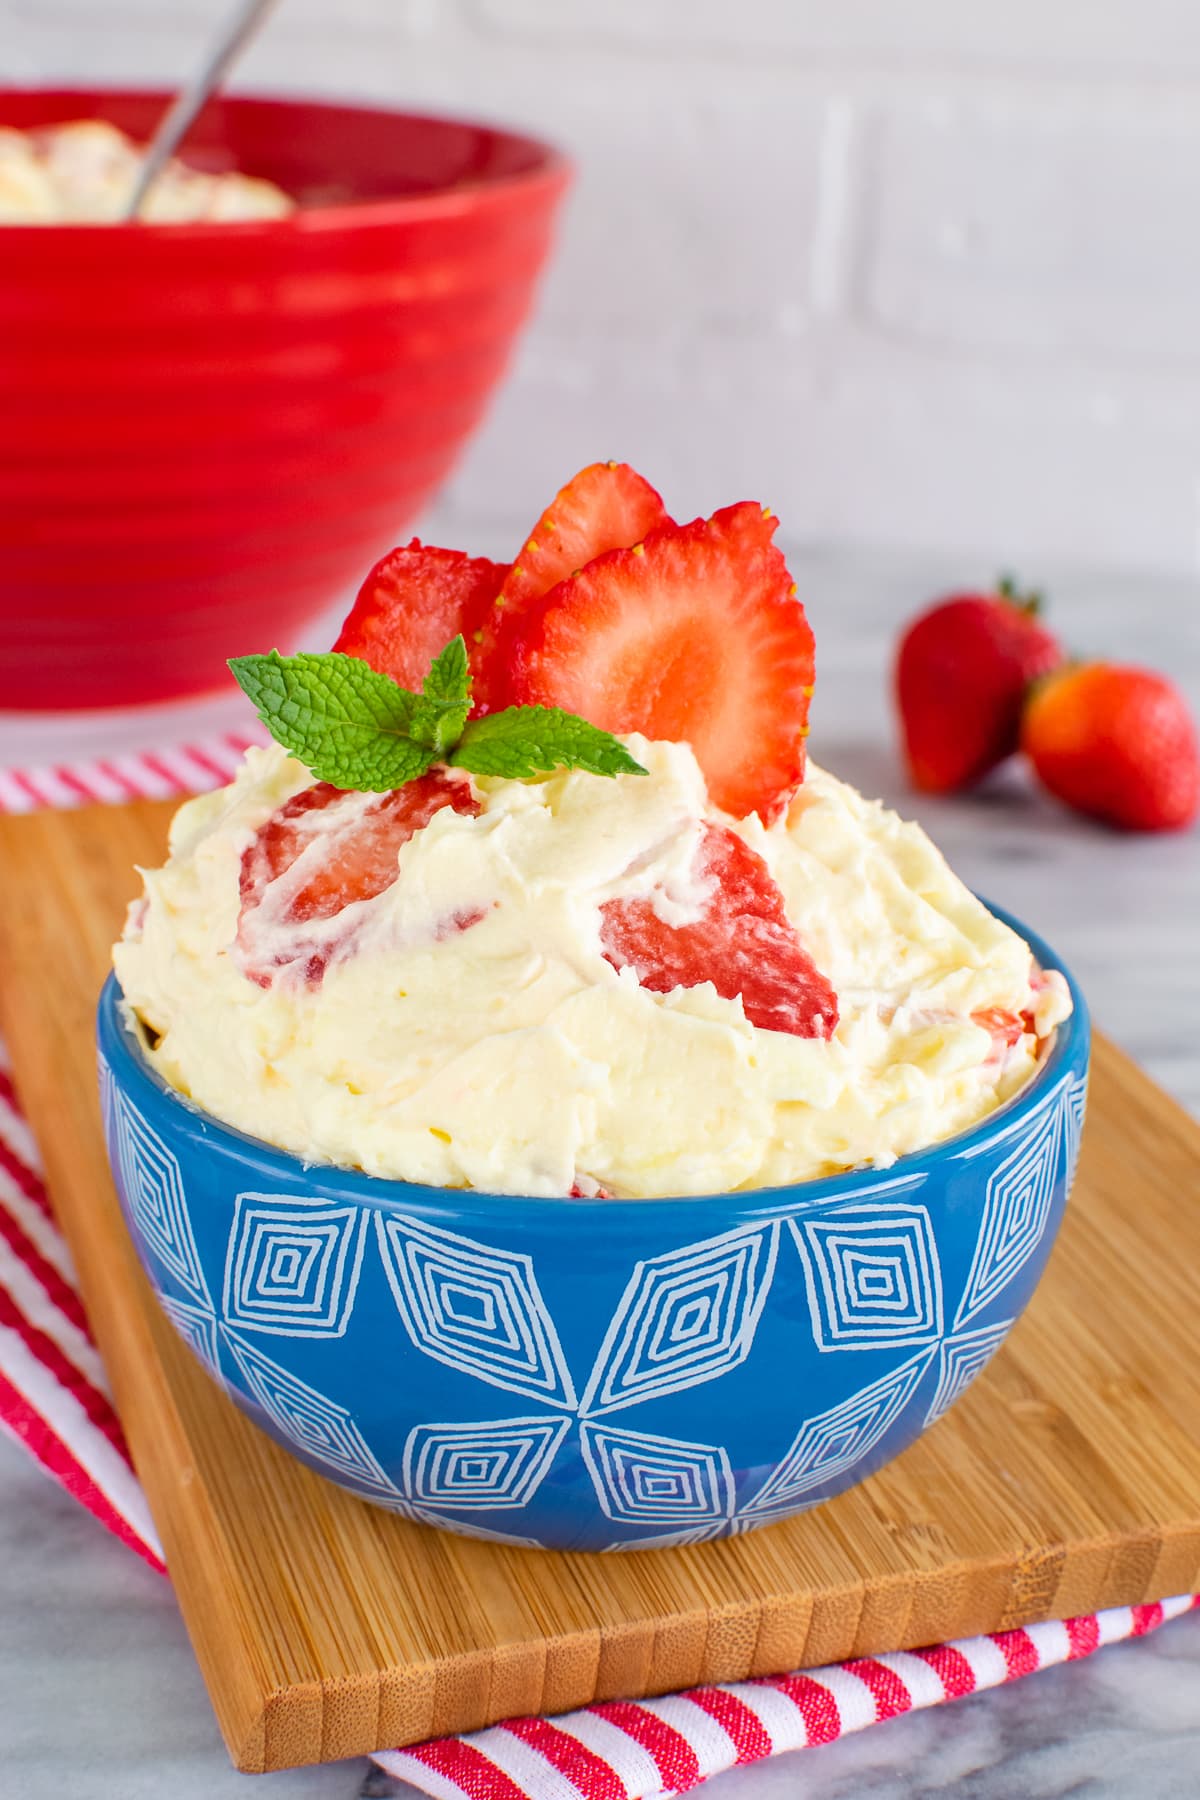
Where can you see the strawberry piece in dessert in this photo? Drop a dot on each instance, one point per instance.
(323, 851)
(607, 506)
(694, 634)
(743, 942)
(1006, 1030)
(412, 604)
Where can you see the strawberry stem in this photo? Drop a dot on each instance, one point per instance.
(1032, 602)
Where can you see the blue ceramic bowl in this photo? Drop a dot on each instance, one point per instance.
(592, 1375)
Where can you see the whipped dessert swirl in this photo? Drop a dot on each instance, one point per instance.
(537, 891)
(84, 172)
(479, 1019)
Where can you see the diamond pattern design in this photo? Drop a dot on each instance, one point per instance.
(475, 1308)
(960, 1361)
(153, 1188)
(198, 1329)
(293, 1265)
(834, 1441)
(1074, 1108)
(874, 1281)
(496, 1463)
(1015, 1210)
(645, 1480)
(686, 1317)
(107, 1095)
(426, 1517)
(323, 1428)
(668, 1540)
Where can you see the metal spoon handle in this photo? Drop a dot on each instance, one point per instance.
(179, 117)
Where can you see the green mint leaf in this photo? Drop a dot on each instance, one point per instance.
(440, 711)
(533, 740)
(359, 729)
(350, 725)
(449, 678)
(438, 724)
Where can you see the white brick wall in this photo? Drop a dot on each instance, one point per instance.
(1036, 227)
(923, 274)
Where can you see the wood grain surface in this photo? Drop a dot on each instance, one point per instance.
(1067, 1479)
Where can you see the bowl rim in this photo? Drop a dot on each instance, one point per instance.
(1071, 1043)
(552, 169)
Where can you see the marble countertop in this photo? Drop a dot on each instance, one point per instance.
(99, 1693)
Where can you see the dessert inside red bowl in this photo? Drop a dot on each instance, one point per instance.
(537, 891)
(215, 421)
(84, 171)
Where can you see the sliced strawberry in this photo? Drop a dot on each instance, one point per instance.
(412, 604)
(325, 850)
(696, 634)
(744, 943)
(1006, 1028)
(1004, 1025)
(607, 506)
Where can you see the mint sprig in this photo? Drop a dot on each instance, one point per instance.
(441, 712)
(449, 677)
(528, 740)
(356, 728)
(348, 724)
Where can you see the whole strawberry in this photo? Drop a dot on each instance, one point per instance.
(962, 674)
(1117, 743)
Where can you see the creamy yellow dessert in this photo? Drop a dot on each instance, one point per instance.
(84, 172)
(471, 1022)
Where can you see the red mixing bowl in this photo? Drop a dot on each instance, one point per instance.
(211, 430)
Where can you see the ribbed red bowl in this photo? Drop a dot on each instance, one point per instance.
(209, 431)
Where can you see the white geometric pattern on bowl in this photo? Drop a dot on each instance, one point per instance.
(643, 1479)
(874, 1280)
(961, 1359)
(197, 1328)
(154, 1192)
(499, 1463)
(837, 1439)
(1073, 1112)
(293, 1265)
(1016, 1207)
(685, 1318)
(475, 1308)
(325, 1429)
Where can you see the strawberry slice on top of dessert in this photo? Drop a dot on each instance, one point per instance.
(695, 634)
(607, 506)
(613, 614)
(413, 602)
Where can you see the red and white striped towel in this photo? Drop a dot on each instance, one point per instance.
(54, 1399)
(155, 774)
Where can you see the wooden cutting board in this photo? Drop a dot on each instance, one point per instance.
(1067, 1479)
